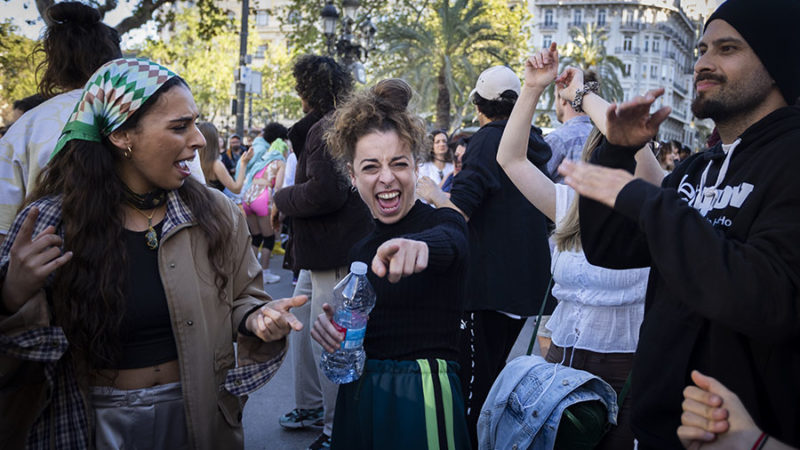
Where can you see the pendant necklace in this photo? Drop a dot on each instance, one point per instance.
(151, 237)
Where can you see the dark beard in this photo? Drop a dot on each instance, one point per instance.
(737, 100)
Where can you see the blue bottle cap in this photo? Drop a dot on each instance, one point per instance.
(358, 268)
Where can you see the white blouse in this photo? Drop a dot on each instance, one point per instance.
(599, 309)
(430, 170)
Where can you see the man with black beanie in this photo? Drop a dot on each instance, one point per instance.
(725, 298)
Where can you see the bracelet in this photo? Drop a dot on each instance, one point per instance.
(577, 104)
(759, 444)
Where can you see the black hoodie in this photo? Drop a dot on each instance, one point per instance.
(724, 289)
(509, 262)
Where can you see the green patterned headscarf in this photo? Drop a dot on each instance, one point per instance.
(111, 96)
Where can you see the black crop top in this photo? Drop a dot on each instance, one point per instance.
(146, 331)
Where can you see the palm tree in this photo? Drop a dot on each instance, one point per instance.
(587, 51)
(442, 42)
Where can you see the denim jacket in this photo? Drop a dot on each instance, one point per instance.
(525, 404)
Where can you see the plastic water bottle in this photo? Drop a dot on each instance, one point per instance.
(354, 298)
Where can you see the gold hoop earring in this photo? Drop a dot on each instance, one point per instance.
(127, 152)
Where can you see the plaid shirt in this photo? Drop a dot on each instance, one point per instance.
(64, 417)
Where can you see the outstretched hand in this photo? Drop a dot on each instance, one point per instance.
(541, 68)
(31, 261)
(429, 191)
(630, 124)
(273, 321)
(398, 258)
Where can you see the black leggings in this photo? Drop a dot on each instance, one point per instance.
(267, 241)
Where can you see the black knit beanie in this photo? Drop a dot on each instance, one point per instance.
(769, 27)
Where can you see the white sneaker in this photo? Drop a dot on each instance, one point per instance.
(270, 277)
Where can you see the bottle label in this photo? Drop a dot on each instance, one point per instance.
(353, 337)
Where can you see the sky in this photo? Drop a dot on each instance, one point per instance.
(22, 11)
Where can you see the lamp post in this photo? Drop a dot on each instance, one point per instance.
(355, 42)
(241, 81)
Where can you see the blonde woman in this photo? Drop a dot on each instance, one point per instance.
(596, 323)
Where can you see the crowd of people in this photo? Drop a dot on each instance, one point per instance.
(135, 261)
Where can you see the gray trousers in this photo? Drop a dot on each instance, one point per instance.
(145, 418)
(307, 392)
(311, 384)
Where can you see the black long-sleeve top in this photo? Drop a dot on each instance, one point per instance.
(724, 290)
(509, 262)
(420, 315)
(327, 216)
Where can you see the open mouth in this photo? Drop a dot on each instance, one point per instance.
(389, 201)
(183, 167)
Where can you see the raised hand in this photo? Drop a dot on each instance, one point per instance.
(570, 80)
(246, 157)
(541, 69)
(31, 261)
(398, 258)
(630, 124)
(273, 321)
(596, 182)
(324, 332)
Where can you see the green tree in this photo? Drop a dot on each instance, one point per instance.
(587, 51)
(206, 64)
(18, 63)
(301, 22)
(441, 46)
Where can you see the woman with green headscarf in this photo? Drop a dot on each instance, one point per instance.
(123, 281)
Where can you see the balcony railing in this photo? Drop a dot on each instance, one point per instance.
(632, 51)
(548, 25)
(680, 88)
(630, 26)
(576, 24)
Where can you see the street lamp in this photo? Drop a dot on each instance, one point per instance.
(352, 49)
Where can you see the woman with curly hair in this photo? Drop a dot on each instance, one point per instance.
(123, 281)
(327, 219)
(440, 159)
(409, 395)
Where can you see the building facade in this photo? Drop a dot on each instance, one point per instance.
(654, 39)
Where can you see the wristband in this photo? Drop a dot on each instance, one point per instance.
(759, 444)
(577, 104)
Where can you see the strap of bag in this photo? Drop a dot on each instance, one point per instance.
(539, 318)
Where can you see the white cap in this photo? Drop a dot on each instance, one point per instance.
(494, 81)
(358, 268)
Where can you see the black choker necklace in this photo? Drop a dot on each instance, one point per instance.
(150, 200)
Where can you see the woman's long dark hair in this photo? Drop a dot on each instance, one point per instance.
(88, 293)
(75, 44)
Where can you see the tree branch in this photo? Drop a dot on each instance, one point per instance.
(141, 15)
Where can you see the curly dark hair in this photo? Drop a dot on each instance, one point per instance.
(321, 82)
(74, 46)
(89, 293)
(275, 130)
(381, 108)
(496, 109)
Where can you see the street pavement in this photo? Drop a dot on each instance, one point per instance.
(265, 406)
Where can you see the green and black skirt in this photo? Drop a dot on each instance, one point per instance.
(402, 405)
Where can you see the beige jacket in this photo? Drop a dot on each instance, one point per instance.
(204, 326)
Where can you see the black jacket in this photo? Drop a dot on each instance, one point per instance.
(327, 216)
(509, 262)
(724, 290)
